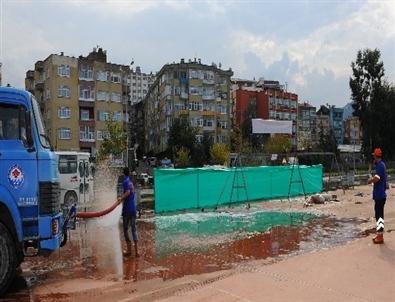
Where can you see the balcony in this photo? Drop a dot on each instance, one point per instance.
(209, 81)
(209, 128)
(82, 99)
(183, 112)
(208, 97)
(85, 103)
(87, 137)
(39, 66)
(30, 74)
(40, 85)
(208, 113)
(184, 95)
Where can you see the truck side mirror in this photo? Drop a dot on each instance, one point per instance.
(29, 134)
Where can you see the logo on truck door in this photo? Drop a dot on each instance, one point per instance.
(16, 177)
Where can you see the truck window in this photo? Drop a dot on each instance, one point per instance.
(11, 123)
(67, 164)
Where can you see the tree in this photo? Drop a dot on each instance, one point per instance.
(365, 84)
(114, 142)
(182, 158)
(278, 144)
(219, 154)
(182, 134)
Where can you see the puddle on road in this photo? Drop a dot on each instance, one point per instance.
(173, 246)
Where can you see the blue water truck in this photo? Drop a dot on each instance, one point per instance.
(31, 219)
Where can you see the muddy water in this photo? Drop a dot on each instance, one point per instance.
(177, 245)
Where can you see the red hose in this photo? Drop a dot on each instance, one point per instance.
(97, 214)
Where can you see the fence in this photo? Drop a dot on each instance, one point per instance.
(194, 188)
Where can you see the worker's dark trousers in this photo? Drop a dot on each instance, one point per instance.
(129, 220)
(379, 213)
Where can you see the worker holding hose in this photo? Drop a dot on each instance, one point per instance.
(129, 213)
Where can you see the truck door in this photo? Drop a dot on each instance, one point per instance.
(18, 165)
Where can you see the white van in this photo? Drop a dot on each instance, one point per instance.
(75, 177)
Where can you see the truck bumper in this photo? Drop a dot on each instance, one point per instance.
(50, 241)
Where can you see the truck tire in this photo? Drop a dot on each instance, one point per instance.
(70, 198)
(8, 259)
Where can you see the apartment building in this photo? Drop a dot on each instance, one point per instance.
(140, 83)
(268, 99)
(336, 123)
(191, 90)
(322, 122)
(77, 96)
(307, 126)
(352, 131)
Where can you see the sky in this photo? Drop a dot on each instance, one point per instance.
(309, 45)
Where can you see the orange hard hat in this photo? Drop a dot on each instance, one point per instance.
(377, 152)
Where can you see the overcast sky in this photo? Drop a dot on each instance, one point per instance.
(308, 44)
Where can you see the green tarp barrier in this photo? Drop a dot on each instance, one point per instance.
(181, 189)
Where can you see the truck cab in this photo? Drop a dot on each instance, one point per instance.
(30, 213)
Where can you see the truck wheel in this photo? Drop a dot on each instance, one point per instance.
(70, 198)
(7, 259)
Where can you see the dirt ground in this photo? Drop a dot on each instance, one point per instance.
(337, 263)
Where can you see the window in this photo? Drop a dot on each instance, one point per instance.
(115, 78)
(199, 138)
(200, 122)
(64, 133)
(179, 106)
(64, 91)
(102, 95)
(102, 115)
(221, 139)
(102, 134)
(84, 115)
(67, 164)
(222, 124)
(208, 123)
(86, 72)
(194, 90)
(196, 106)
(64, 70)
(87, 133)
(117, 116)
(64, 112)
(12, 126)
(221, 109)
(116, 97)
(87, 94)
(102, 75)
(47, 94)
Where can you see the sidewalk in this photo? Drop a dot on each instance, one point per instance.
(359, 271)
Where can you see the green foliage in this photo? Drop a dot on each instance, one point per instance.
(182, 134)
(182, 158)
(278, 144)
(219, 154)
(366, 84)
(236, 139)
(115, 142)
(327, 142)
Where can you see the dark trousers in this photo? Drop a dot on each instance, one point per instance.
(379, 213)
(129, 220)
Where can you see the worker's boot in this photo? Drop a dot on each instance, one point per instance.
(379, 239)
(128, 251)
